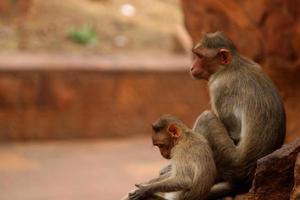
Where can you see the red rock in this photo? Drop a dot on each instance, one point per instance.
(274, 176)
(295, 195)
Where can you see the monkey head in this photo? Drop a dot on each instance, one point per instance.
(166, 133)
(213, 52)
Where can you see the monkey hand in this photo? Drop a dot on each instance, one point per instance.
(139, 194)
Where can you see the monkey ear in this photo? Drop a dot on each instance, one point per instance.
(225, 56)
(174, 131)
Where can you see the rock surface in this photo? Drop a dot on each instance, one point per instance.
(295, 195)
(274, 176)
(267, 31)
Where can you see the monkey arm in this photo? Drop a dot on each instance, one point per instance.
(171, 184)
(165, 170)
(160, 178)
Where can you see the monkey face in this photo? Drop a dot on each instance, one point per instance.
(204, 61)
(165, 151)
(165, 135)
(163, 142)
(197, 69)
(207, 61)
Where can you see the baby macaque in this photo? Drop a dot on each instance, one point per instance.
(192, 170)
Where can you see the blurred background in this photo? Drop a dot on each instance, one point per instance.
(82, 80)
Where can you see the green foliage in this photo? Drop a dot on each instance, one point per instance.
(83, 35)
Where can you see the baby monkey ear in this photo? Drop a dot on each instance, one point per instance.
(174, 131)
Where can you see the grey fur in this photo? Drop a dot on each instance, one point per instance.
(247, 120)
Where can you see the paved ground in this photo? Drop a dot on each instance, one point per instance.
(75, 170)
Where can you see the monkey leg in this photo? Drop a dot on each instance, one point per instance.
(225, 151)
(231, 163)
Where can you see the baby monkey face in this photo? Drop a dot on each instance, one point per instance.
(165, 139)
(165, 135)
(164, 142)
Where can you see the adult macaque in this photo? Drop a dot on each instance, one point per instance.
(192, 171)
(247, 120)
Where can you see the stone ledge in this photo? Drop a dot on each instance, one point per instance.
(15, 62)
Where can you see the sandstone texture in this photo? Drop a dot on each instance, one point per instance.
(277, 174)
(267, 31)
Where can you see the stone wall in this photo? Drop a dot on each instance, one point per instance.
(267, 31)
(53, 97)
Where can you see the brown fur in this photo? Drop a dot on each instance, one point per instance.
(192, 171)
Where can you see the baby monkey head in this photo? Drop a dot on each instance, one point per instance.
(167, 131)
